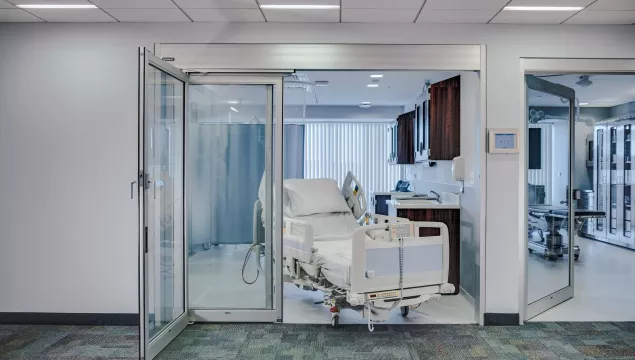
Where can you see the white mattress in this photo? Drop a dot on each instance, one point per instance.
(334, 257)
(331, 226)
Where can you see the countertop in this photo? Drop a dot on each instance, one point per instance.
(448, 201)
(409, 193)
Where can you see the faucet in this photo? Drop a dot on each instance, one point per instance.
(438, 199)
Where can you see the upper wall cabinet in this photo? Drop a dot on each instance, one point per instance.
(432, 131)
(405, 138)
(444, 132)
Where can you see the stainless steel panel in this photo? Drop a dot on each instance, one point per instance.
(242, 57)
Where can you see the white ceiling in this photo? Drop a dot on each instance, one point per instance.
(606, 90)
(373, 11)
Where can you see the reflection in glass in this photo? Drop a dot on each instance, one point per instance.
(548, 178)
(164, 197)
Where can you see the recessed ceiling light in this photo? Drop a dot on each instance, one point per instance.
(300, 7)
(232, 102)
(58, 6)
(365, 102)
(233, 109)
(582, 104)
(377, 76)
(543, 8)
(321, 83)
(372, 85)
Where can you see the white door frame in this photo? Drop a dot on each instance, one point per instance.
(555, 65)
(244, 58)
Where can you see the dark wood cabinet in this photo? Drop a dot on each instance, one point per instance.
(451, 218)
(445, 119)
(405, 138)
(432, 131)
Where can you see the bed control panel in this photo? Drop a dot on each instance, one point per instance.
(401, 230)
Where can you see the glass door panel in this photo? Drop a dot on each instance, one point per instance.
(231, 172)
(161, 178)
(551, 232)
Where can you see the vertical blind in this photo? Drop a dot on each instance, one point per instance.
(331, 150)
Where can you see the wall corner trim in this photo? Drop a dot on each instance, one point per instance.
(498, 319)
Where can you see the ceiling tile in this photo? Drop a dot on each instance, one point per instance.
(148, 15)
(532, 17)
(550, 2)
(50, 2)
(296, 2)
(382, 4)
(379, 15)
(612, 5)
(6, 5)
(16, 15)
(464, 4)
(603, 17)
(225, 15)
(279, 15)
(456, 16)
(72, 15)
(217, 4)
(134, 4)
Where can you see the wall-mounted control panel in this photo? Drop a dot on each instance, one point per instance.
(502, 141)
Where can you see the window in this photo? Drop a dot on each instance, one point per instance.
(331, 150)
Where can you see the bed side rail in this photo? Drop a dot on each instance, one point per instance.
(297, 239)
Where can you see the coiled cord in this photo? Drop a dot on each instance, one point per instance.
(247, 257)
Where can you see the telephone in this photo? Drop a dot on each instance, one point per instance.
(402, 186)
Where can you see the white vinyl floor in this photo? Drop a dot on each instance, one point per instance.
(215, 281)
(604, 284)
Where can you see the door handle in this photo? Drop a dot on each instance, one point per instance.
(132, 189)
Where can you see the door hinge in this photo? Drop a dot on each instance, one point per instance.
(145, 240)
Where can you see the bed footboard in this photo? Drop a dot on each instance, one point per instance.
(378, 261)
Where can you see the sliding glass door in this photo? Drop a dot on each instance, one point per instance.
(234, 161)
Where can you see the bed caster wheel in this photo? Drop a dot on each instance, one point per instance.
(207, 246)
(531, 251)
(560, 255)
(335, 321)
(551, 257)
(216, 244)
(576, 257)
(405, 310)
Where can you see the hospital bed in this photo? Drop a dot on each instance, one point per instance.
(550, 222)
(372, 264)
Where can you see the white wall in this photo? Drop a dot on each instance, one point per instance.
(68, 130)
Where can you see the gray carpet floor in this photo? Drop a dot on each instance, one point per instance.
(289, 341)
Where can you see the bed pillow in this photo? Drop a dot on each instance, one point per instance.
(313, 196)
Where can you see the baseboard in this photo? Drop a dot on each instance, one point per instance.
(495, 319)
(21, 318)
